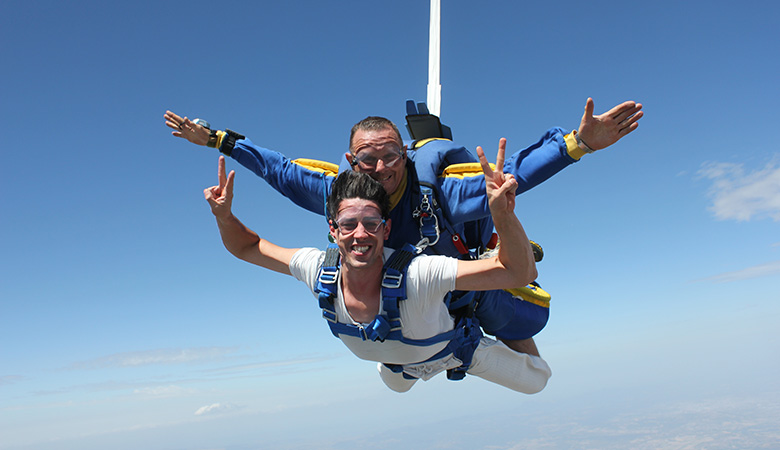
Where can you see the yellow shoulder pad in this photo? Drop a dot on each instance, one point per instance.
(325, 167)
(422, 142)
(464, 170)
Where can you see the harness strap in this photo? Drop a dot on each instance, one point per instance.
(393, 283)
(461, 346)
(462, 340)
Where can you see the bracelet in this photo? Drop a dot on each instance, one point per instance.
(582, 145)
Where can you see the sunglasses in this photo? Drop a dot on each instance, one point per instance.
(349, 225)
(367, 161)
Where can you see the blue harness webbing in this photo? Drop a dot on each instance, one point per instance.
(462, 340)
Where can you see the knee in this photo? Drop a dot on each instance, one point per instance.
(510, 318)
(538, 374)
(535, 386)
(394, 381)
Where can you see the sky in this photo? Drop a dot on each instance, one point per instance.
(125, 324)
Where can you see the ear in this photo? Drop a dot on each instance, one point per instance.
(350, 158)
(387, 229)
(332, 230)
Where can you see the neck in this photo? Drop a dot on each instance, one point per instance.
(363, 279)
(362, 291)
(395, 197)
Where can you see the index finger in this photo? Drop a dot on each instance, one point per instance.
(172, 115)
(221, 173)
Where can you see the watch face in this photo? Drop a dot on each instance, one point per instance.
(202, 123)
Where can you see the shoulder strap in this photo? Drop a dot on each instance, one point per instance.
(326, 288)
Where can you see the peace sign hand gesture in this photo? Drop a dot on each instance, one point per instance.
(220, 197)
(500, 187)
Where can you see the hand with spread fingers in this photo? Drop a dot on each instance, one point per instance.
(186, 129)
(220, 197)
(500, 187)
(597, 132)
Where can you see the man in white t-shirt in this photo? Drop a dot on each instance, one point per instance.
(358, 208)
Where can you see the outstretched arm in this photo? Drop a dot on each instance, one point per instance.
(514, 265)
(601, 131)
(242, 242)
(304, 182)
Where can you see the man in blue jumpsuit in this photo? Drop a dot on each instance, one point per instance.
(462, 218)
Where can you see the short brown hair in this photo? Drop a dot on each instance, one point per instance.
(350, 184)
(374, 123)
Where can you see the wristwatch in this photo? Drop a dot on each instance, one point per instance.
(202, 123)
(582, 145)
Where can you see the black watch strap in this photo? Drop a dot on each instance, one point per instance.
(230, 141)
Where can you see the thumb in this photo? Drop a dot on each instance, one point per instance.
(509, 186)
(589, 107)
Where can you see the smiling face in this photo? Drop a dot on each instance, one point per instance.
(384, 154)
(360, 248)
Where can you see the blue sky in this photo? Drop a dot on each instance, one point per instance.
(125, 324)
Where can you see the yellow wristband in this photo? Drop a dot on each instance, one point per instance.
(220, 137)
(572, 148)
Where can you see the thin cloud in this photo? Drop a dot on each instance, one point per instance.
(268, 365)
(214, 409)
(156, 357)
(761, 270)
(741, 195)
(6, 380)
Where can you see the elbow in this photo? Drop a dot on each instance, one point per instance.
(514, 278)
(247, 252)
(242, 252)
(525, 276)
(531, 274)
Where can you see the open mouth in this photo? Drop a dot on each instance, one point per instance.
(360, 248)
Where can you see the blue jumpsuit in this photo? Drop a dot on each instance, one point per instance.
(461, 197)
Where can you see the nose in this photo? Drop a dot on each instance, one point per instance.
(380, 165)
(360, 231)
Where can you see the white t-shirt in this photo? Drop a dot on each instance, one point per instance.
(423, 313)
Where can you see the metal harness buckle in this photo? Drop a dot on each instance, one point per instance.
(391, 281)
(328, 276)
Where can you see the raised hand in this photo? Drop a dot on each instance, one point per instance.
(500, 187)
(601, 131)
(220, 197)
(186, 129)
